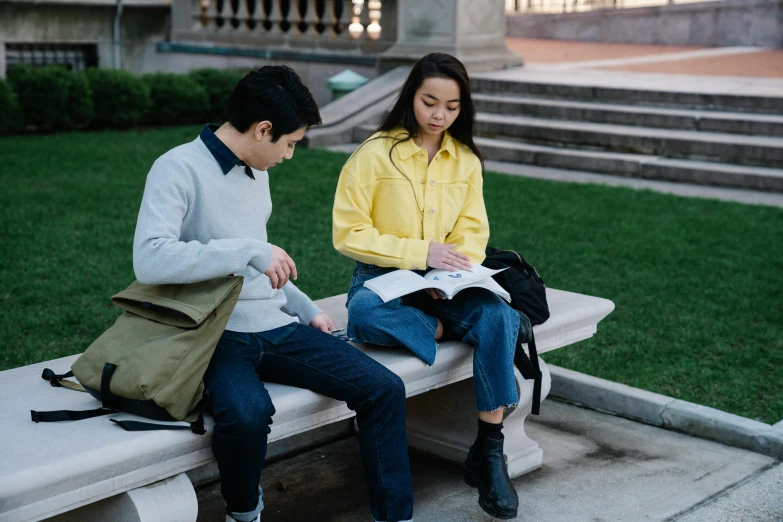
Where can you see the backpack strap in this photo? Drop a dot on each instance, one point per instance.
(110, 404)
(538, 375)
(60, 381)
(196, 426)
(530, 369)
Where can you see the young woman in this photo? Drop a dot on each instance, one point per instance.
(411, 198)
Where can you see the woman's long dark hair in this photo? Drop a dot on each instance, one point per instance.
(434, 65)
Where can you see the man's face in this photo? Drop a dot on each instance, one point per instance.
(264, 153)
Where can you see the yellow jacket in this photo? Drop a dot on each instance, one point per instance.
(384, 219)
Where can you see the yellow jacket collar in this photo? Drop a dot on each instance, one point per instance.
(408, 148)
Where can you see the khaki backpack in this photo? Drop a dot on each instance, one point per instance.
(152, 361)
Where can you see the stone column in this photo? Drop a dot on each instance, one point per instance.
(473, 31)
(2, 59)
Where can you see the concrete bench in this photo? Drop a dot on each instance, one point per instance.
(93, 470)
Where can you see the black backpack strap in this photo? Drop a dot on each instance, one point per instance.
(196, 426)
(530, 369)
(67, 415)
(71, 415)
(111, 404)
(60, 381)
(538, 375)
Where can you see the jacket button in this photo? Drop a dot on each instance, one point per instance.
(433, 182)
(432, 211)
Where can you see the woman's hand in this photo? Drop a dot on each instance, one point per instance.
(444, 256)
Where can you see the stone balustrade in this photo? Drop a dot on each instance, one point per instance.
(365, 27)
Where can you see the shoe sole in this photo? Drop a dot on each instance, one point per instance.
(492, 511)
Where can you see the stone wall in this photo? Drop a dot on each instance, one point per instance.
(718, 23)
(142, 27)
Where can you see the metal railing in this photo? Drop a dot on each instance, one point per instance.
(569, 6)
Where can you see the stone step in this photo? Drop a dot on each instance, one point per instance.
(622, 164)
(634, 115)
(762, 151)
(362, 132)
(636, 96)
(633, 165)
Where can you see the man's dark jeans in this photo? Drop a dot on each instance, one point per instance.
(304, 357)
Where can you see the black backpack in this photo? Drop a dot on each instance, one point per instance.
(528, 296)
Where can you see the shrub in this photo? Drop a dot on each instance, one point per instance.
(218, 84)
(52, 97)
(120, 98)
(176, 98)
(10, 115)
(79, 101)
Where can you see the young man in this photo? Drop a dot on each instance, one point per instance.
(204, 215)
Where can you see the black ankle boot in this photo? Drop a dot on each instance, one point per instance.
(487, 472)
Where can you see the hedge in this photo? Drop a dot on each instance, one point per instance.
(10, 115)
(219, 84)
(121, 99)
(54, 98)
(51, 97)
(176, 98)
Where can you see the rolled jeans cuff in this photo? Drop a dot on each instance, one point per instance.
(250, 516)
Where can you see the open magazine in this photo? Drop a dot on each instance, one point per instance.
(403, 282)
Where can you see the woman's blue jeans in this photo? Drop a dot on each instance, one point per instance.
(305, 357)
(477, 316)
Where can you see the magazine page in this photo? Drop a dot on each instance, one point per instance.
(397, 284)
(491, 285)
(450, 282)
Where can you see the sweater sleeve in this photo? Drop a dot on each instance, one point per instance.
(298, 304)
(355, 236)
(160, 257)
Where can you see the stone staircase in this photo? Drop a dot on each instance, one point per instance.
(711, 139)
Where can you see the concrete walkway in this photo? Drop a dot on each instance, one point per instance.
(708, 61)
(597, 468)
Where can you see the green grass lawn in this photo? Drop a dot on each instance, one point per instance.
(698, 284)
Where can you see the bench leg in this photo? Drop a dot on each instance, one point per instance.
(170, 500)
(443, 423)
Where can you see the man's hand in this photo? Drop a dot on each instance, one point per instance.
(281, 268)
(444, 256)
(323, 323)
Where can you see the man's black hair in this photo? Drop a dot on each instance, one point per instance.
(273, 93)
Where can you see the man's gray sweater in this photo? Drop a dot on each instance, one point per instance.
(195, 223)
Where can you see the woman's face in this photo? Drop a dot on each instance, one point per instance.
(436, 105)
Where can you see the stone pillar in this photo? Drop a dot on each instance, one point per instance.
(472, 31)
(2, 59)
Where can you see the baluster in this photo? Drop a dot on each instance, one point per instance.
(223, 20)
(275, 18)
(286, 21)
(310, 17)
(364, 19)
(212, 15)
(374, 14)
(356, 29)
(296, 14)
(242, 16)
(344, 20)
(199, 14)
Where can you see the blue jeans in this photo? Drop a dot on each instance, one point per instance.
(478, 317)
(304, 357)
